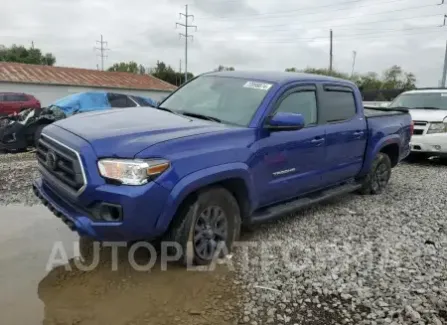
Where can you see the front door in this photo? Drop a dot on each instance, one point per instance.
(289, 162)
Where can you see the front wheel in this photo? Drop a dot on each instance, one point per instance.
(207, 227)
(378, 176)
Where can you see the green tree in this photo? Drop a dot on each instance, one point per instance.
(320, 71)
(223, 68)
(21, 54)
(131, 67)
(168, 74)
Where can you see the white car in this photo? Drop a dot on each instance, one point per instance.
(428, 109)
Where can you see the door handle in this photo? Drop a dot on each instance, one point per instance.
(317, 140)
(358, 133)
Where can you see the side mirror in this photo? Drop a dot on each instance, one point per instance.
(285, 122)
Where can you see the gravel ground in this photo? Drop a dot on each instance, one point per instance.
(16, 172)
(355, 260)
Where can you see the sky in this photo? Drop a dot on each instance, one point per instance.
(244, 34)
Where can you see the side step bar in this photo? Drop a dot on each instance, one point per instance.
(276, 211)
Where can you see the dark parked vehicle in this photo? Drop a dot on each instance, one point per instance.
(22, 130)
(11, 103)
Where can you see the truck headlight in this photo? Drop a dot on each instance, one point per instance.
(132, 172)
(437, 127)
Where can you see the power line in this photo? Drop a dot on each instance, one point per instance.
(293, 12)
(102, 50)
(330, 24)
(343, 37)
(186, 36)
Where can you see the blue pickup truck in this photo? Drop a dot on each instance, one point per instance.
(225, 150)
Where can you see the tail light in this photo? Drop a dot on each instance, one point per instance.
(412, 127)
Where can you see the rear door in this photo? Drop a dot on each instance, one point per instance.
(346, 132)
(2, 105)
(12, 103)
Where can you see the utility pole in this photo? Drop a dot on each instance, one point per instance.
(185, 35)
(444, 72)
(32, 45)
(330, 51)
(102, 50)
(354, 55)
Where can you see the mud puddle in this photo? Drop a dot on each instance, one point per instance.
(32, 294)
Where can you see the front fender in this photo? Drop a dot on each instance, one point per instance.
(375, 148)
(200, 179)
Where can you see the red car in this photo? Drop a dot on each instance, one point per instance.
(11, 103)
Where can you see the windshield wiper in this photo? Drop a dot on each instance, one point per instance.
(426, 107)
(165, 109)
(204, 117)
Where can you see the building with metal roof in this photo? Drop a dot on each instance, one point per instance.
(48, 83)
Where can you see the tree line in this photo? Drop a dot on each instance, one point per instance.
(21, 54)
(375, 86)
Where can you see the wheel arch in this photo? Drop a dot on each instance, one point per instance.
(235, 178)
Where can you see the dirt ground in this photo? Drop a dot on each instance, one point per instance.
(102, 296)
(129, 297)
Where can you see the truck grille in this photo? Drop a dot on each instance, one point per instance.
(61, 162)
(420, 127)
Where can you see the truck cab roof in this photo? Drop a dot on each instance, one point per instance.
(277, 76)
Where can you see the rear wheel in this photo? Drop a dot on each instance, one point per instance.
(207, 227)
(378, 176)
(417, 156)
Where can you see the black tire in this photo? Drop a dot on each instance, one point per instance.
(417, 157)
(378, 176)
(191, 232)
(37, 134)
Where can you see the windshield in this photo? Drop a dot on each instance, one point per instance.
(229, 100)
(421, 100)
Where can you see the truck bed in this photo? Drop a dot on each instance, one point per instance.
(383, 111)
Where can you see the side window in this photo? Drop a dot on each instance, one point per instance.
(337, 105)
(302, 102)
(11, 98)
(120, 101)
(15, 98)
(23, 98)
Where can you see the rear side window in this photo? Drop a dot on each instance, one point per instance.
(302, 102)
(338, 104)
(15, 98)
(120, 101)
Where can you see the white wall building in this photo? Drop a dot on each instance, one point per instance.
(48, 84)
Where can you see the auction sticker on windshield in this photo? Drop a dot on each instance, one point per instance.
(257, 85)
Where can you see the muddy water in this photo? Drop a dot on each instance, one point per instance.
(32, 294)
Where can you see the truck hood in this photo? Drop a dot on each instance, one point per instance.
(428, 115)
(125, 132)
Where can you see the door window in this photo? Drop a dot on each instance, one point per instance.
(301, 102)
(120, 101)
(337, 105)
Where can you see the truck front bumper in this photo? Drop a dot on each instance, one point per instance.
(435, 144)
(139, 215)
